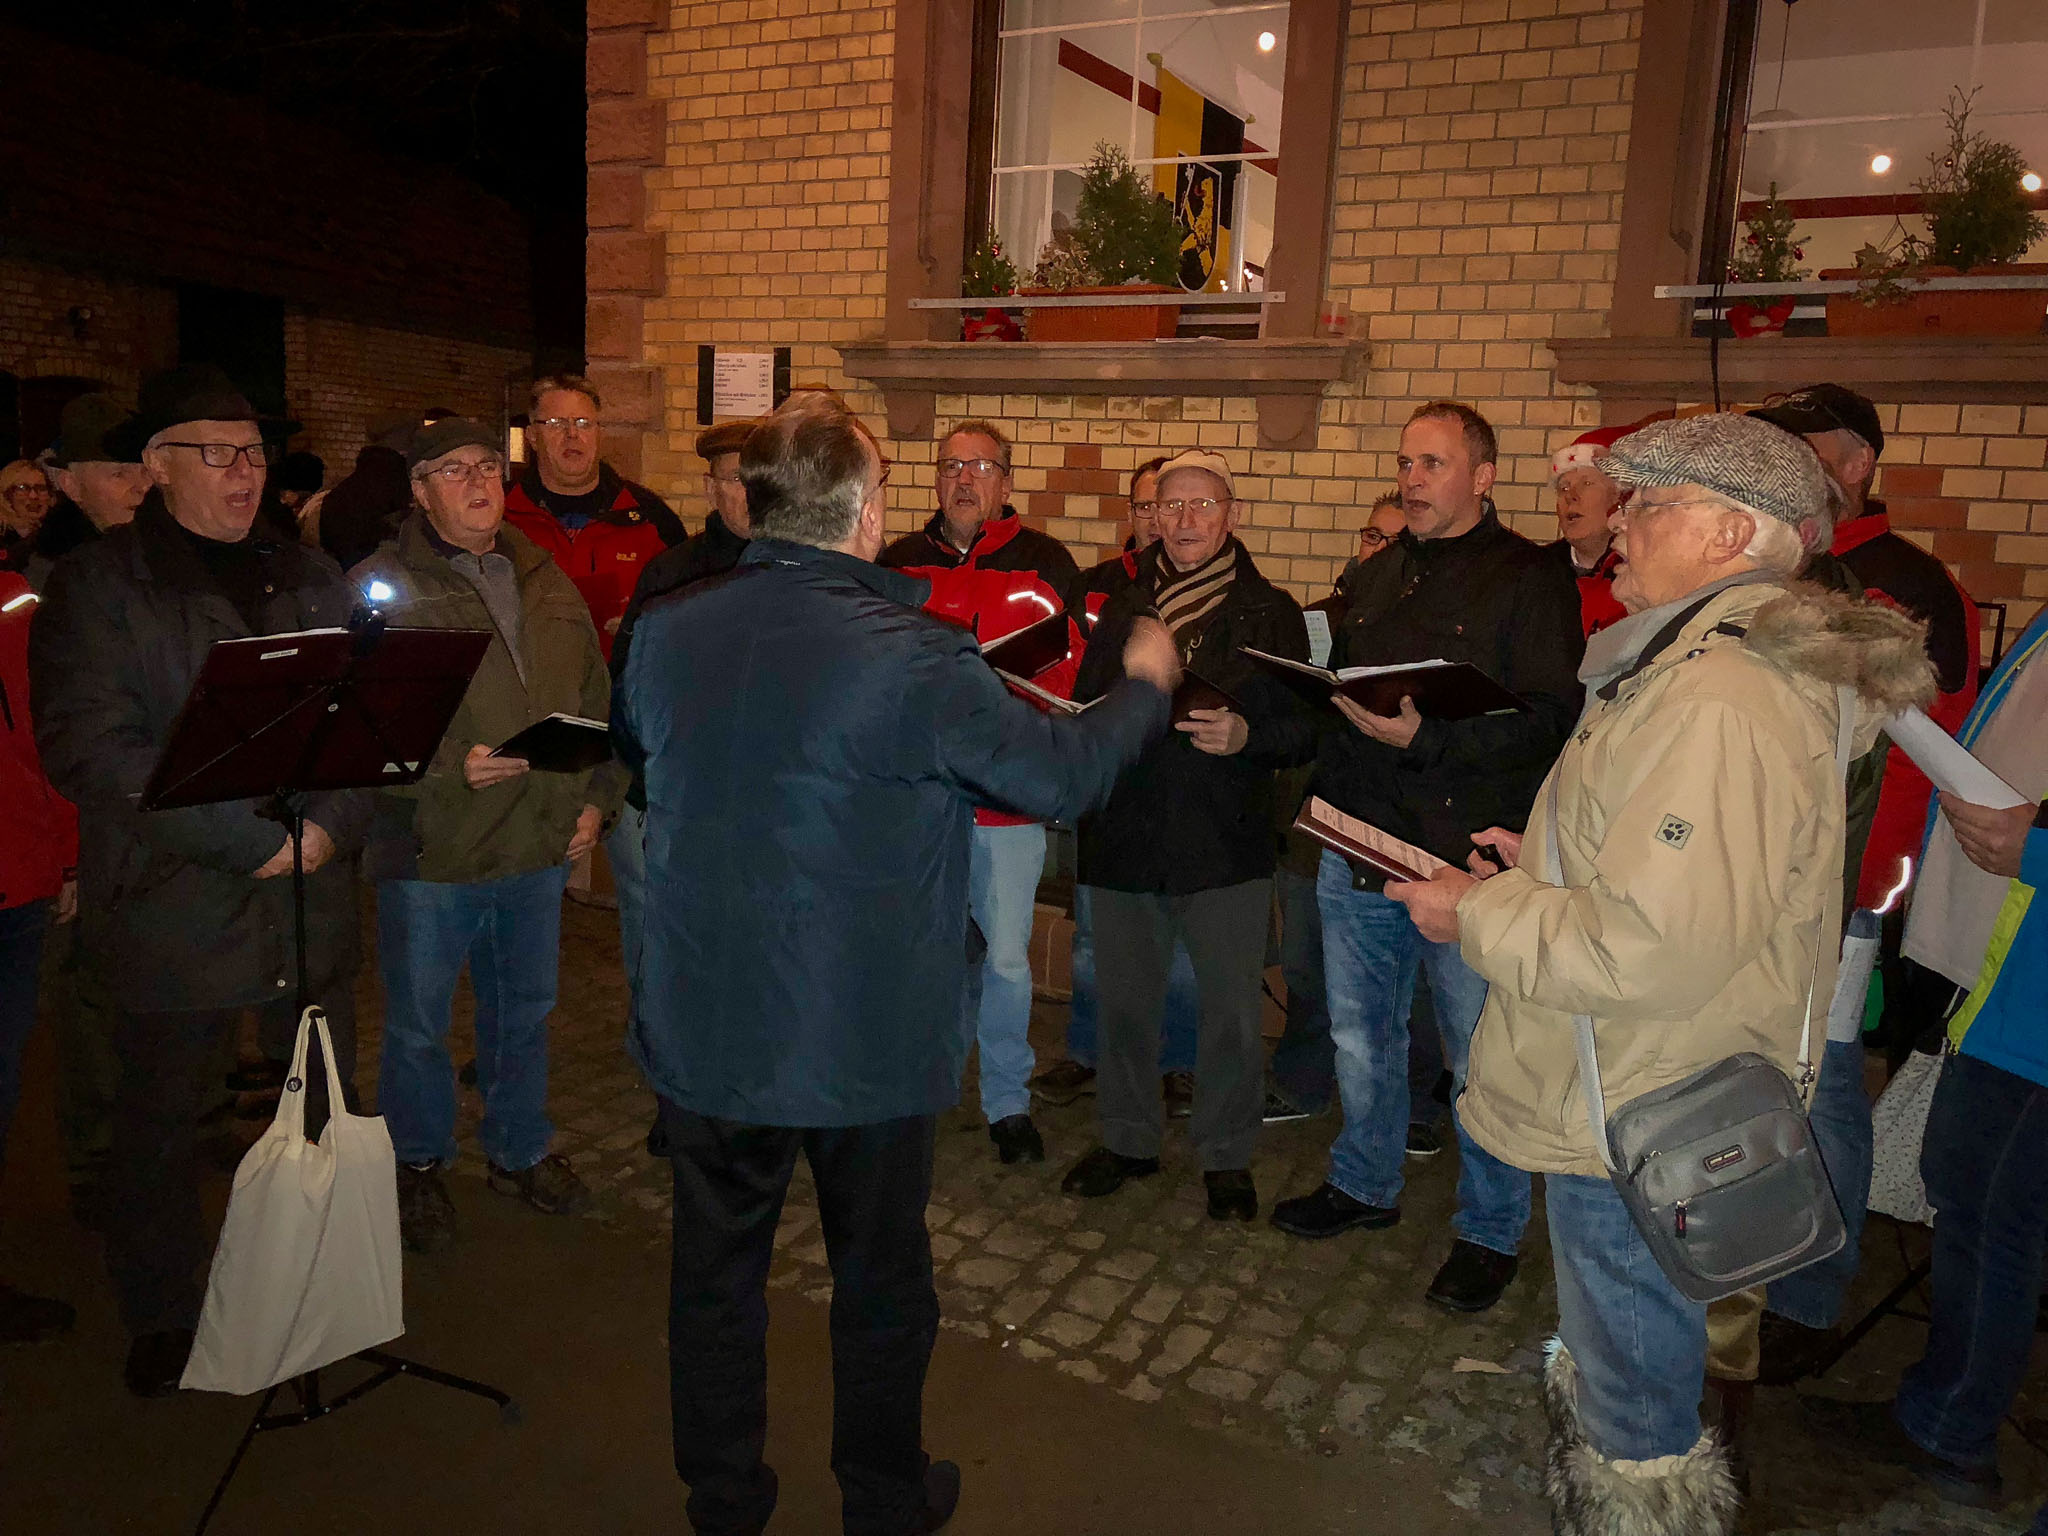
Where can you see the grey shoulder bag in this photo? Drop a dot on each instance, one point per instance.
(1719, 1171)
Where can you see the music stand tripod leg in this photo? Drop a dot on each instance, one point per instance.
(248, 1439)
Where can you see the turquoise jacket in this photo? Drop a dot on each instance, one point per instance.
(2004, 1020)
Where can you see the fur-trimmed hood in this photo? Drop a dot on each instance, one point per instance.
(1845, 641)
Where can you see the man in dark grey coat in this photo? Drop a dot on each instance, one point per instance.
(813, 749)
(198, 901)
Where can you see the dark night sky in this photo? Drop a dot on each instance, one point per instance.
(490, 88)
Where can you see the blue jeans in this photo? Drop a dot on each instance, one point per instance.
(1002, 888)
(1640, 1346)
(1177, 1035)
(1370, 952)
(625, 848)
(21, 957)
(1841, 1129)
(510, 932)
(1985, 1161)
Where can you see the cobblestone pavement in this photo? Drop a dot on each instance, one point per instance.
(1324, 1347)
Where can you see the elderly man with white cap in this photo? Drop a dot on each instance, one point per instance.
(1183, 854)
(1695, 821)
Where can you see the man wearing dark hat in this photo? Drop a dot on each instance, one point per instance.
(1841, 427)
(98, 486)
(471, 861)
(197, 902)
(711, 553)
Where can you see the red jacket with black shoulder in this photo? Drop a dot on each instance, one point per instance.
(603, 558)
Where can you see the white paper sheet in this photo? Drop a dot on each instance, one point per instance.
(1318, 623)
(1949, 764)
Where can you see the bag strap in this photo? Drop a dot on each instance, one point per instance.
(1582, 1023)
(291, 1103)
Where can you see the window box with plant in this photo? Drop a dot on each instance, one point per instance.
(1123, 242)
(1980, 221)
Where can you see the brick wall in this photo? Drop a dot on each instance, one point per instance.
(1477, 214)
(132, 329)
(342, 378)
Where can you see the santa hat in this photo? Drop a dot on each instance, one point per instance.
(1587, 449)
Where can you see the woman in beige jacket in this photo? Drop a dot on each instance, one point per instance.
(1697, 817)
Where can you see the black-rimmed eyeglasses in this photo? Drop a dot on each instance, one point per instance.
(221, 455)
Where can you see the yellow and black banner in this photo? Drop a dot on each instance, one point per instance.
(1190, 125)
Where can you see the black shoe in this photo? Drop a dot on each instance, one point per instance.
(941, 1497)
(1872, 1431)
(1232, 1195)
(156, 1361)
(1472, 1278)
(1102, 1172)
(1063, 1082)
(1329, 1211)
(1423, 1140)
(657, 1139)
(26, 1319)
(1280, 1110)
(426, 1216)
(1017, 1140)
(1791, 1351)
(550, 1186)
(1178, 1089)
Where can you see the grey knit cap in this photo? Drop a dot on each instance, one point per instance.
(1763, 467)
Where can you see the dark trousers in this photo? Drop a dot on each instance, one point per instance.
(1224, 932)
(157, 1248)
(873, 1183)
(21, 954)
(1985, 1161)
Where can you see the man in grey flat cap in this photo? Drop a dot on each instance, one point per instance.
(1697, 817)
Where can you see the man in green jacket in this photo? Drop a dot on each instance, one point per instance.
(470, 862)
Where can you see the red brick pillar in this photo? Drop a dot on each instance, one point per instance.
(624, 263)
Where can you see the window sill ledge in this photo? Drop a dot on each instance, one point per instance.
(1933, 370)
(1286, 377)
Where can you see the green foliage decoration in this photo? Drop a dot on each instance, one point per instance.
(1123, 231)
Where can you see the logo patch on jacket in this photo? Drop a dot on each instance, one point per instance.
(1672, 832)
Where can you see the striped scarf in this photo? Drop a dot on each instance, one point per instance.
(1186, 598)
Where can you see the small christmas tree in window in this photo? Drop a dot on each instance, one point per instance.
(1770, 249)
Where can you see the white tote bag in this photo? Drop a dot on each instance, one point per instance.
(307, 1269)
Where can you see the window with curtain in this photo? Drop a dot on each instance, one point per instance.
(1191, 92)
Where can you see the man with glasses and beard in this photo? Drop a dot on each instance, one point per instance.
(197, 902)
(987, 568)
(471, 861)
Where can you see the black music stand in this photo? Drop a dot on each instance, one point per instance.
(274, 718)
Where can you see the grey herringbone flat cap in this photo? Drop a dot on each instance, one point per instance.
(1739, 457)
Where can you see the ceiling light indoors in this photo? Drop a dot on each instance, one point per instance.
(1879, 164)
(1267, 41)
(2031, 181)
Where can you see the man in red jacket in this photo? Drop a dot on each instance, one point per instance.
(988, 569)
(601, 528)
(38, 885)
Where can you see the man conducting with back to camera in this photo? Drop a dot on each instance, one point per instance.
(814, 749)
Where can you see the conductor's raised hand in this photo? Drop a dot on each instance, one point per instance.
(1395, 730)
(1218, 732)
(1151, 656)
(480, 769)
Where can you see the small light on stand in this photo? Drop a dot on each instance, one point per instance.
(379, 592)
(1267, 42)
(1879, 164)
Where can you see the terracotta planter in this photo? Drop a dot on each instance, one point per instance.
(1104, 322)
(1950, 312)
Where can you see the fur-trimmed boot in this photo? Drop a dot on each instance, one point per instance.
(1594, 1495)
